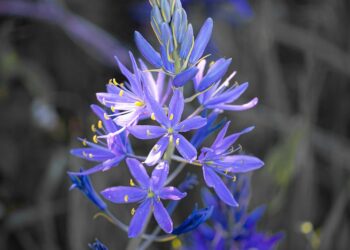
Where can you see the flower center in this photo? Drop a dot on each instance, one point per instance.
(150, 194)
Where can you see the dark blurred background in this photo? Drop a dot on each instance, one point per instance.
(54, 56)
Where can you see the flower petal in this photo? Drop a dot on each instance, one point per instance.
(157, 151)
(146, 132)
(162, 216)
(185, 76)
(185, 148)
(139, 219)
(106, 165)
(215, 73)
(171, 193)
(93, 154)
(243, 163)
(159, 175)
(202, 40)
(241, 107)
(229, 95)
(221, 135)
(147, 50)
(139, 172)
(214, 181)
(176, 107)
(192, 123)
(225, 143)
(156, 109)
(124, 194)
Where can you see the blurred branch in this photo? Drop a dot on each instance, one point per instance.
(93, 39)
(309, 41)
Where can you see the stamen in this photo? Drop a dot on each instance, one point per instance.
(126, 198)
(132, 212)
(132, 183)
(106, 116)
(177, 141)
(153, 116)
(156, 147)
(84, 142)
(139, 104)
(113, 109)
(99, 124)
(94, 138)
(234, 178)
(121, 93)
(171, 117)
(91, 156)
(115, 82)
(93, 128)
(171, 139)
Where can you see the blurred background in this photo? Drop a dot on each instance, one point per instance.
(55, 55)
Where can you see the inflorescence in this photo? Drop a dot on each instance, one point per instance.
(152, 103)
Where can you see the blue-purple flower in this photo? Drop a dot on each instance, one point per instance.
(98, 245)
(218, 159)
(83, 183)
(149, 194)
(107, 147)
(127, 99)
(169, 129)
(220, 95)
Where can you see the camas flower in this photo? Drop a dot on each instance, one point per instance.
(107, 147)
(220, 95)
(127, 100)
(218, 159)
(98, 245)
(149, 194)
(170, 129)
(83, 183)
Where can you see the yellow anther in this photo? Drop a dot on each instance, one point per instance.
(106, 116)
(84, 143)
(234, 178)
(306, 227)
(93, 128)
(113, 109)
(121, 84)
(114, 81)
(170, 130)
(177, 141)
(132, 212)
(226, 171)
(211, 63)
(121, 92)
(94, 138)
(110, 81)
(132, 183)
(156, 147)
(171, 117)
(176, 243)
(91, 156)
(99, 124)
(139, 104)
(153, 116)
(148, 132)
(171, 139)
(126, 198)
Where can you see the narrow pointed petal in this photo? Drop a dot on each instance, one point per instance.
(195, 122)
(231, 139)
(162, 216)
(214, 181)
(122, 194)
(221, 135)
(185, 148)
(108, 123)
(157, 151)
(139, 219)
(159, 175)
(229, 96)
(146, 132)
(101, 167)
(176, 107)
(241, 107)
(93, 154)
(202, 40)
(156, 109)
(139, 172)
(171, 193)
(243, 163)
(147, 50)
(185, 76)
(215, 73)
